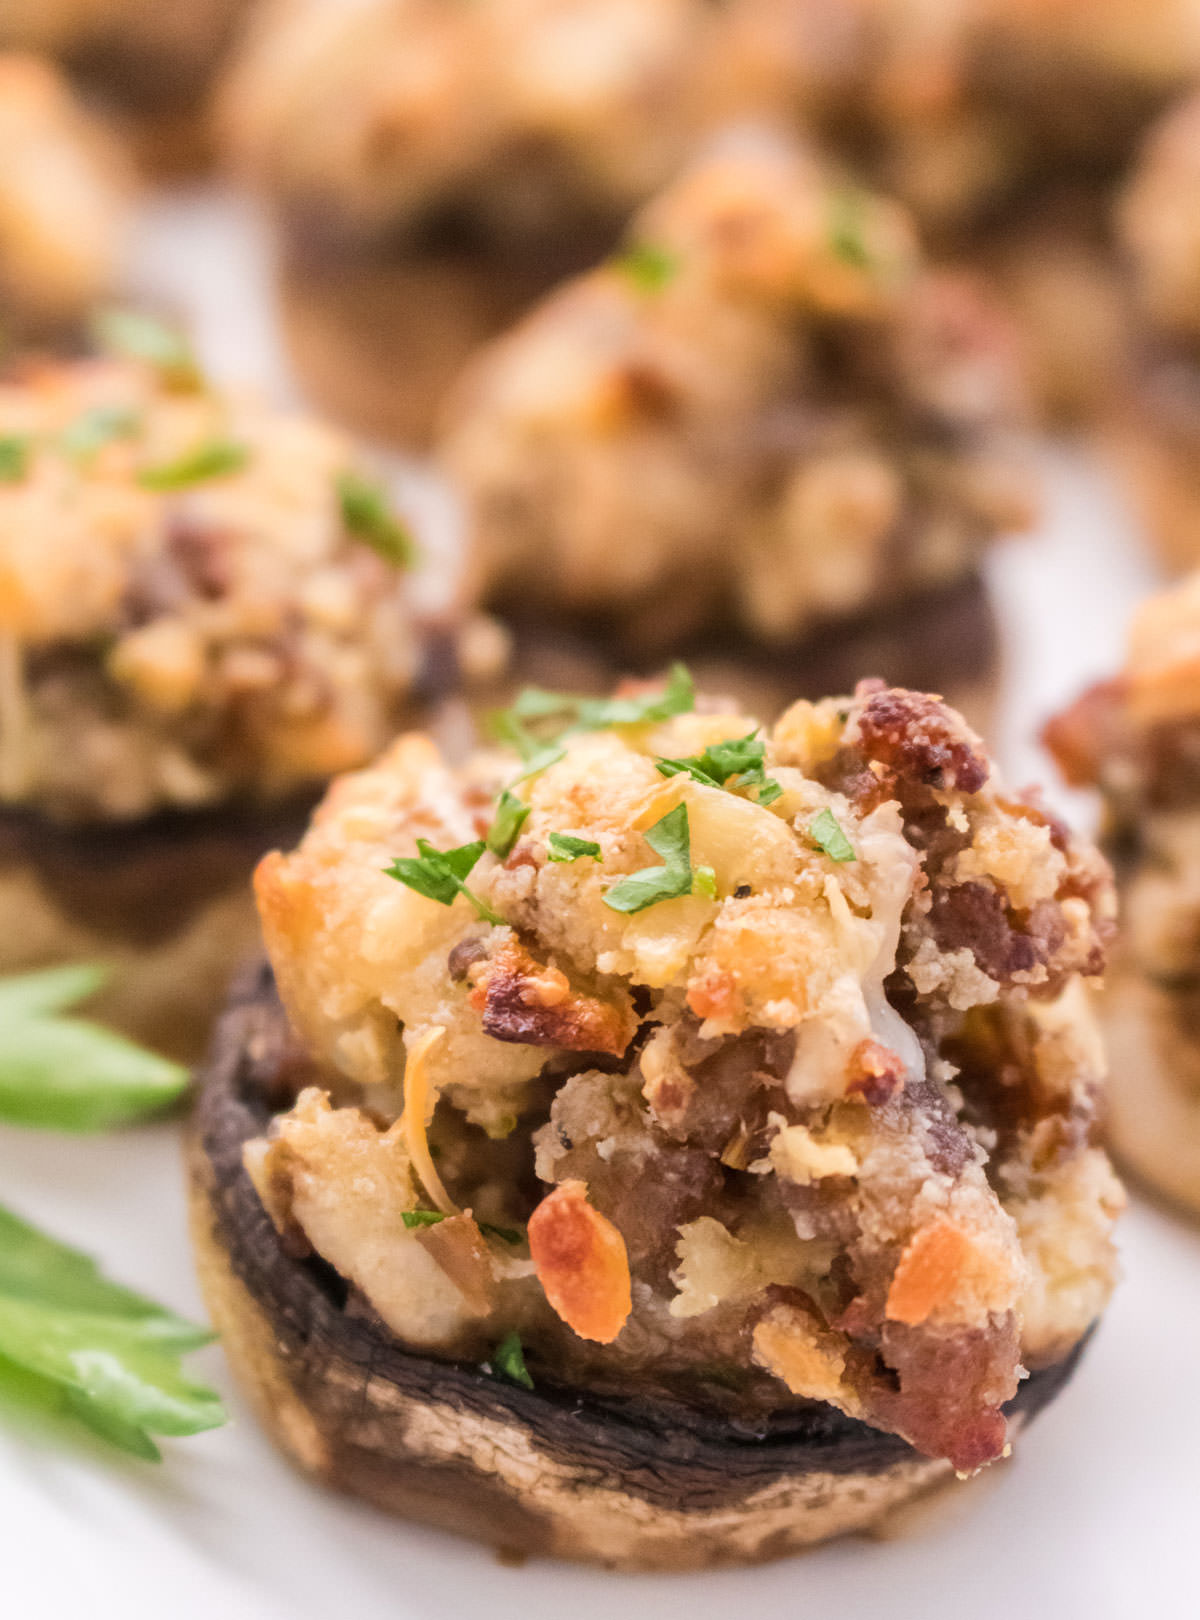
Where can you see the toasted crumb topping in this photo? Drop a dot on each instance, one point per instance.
(785, 416)
(189, 612)
(768, 1114)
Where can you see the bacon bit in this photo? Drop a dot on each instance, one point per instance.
(874, 1073)
(919, 740)
(412, 1124)
(715, 994)
(532, 1003)
(581, 1263)
(1082, 736)
(929, 1273)
(458, 1247)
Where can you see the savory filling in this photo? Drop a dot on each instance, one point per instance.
(784, 416)
(506, 124)
(1137, 739)
(64, 200)
(200, 599)
(657, 1055)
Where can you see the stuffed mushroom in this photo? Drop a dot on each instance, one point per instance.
(764, 425)
(203, 615)
(1134, 738)
(434, 167)
(675, 1142)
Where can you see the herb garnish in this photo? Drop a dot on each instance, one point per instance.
(566, 847)
(67, 1074)
(508, 1360)
(847, 224)
(102, 425)
(670, 838)
(14, 457)
(649, 267)
(563, 713)
(511, 815)
(368, 516)
(704, 881)
(212, 459)
(416, 1218)
(735, 764)
(73, 1342)
(141, 337)
(826, 832)
(439, 874)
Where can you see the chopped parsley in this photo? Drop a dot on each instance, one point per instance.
(14, 457)
(508, 1361)
(367, 514)
(670, 838)
(414, 1218)
(212, 459)
(511, 815)
(140, 337)
(439, 874)
(847, 227)
(704, 881)
(102, 425)
(734, 765)
(506, 727)
(561, 713)
(565, 847)
(650, 268)
(826, 832)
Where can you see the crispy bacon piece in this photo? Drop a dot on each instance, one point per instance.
(928, 1274)
(581, 1263)
(920, 741)
(874, 1072)
(532, 1003)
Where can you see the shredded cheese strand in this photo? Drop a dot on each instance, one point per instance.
(413, 1127)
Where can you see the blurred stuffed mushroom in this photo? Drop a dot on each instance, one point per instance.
(434, 167)
(205, 613)
(669, 1143)
(764, 427)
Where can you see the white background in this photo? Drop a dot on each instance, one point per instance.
(1097, 1515)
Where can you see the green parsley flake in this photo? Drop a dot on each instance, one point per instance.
(63, 1073)
(367, 514)
(559, 714)
(847, 227)
(132, 336)
(72, 1343)
(825, 831)
(88, 434)
(704, 881)
(213, 459)
(439, 874)
(650, 268)
(508, 1361)
(734, 765)
(14, 457)
(565, 847)
(670, 838)
(414, 1218)
(511, 815)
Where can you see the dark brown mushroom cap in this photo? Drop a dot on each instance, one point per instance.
(634, 1484)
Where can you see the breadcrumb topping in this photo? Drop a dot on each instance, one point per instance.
(189, 612)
